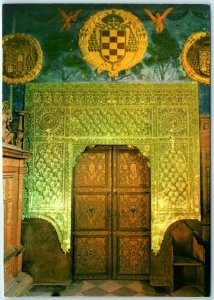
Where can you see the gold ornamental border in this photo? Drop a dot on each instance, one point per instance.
(30, 75)
(188, 69)
(130, 59)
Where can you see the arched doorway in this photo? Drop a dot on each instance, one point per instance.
(111, 213)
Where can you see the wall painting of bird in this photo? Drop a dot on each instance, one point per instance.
(158, 18)
(68, 18)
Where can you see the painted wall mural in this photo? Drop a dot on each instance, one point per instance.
(57, 28)
(160, 119)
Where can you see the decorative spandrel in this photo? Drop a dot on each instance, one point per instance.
(160, 119)
(49, 175)
(173, 173)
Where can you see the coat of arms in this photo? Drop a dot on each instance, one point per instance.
(196, 57)
(22, 58)
(112, 41)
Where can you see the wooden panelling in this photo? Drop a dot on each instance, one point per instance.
(43, 257)
(13, 169)
(205, 174)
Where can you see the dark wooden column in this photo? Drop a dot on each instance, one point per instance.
(205, 193)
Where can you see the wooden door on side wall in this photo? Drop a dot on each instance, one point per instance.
(111, 230)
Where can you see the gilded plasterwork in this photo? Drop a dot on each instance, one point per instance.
(161, 120)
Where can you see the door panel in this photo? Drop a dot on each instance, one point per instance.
(132, 168)
(91, 256)
(91, 212)
(132, 214)
(133, 211)
(92, 170)
(92, 226)
(112, 214)
(133, 256)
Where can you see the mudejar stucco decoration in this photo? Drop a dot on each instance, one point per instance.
(160, 119)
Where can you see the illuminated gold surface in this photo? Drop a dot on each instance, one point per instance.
(22, 58)
(196, 57)
(160, 119)
(113, 40)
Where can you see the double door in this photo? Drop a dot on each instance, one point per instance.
(111, 213)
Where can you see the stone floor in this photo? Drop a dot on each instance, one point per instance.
(107, 288)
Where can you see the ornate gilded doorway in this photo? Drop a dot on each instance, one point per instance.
(111, 213)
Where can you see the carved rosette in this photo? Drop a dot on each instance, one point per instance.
(167, 136)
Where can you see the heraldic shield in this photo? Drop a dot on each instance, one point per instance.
(113, 44)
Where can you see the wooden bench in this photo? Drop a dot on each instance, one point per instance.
(188, 258)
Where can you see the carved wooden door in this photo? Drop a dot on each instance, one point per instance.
(111, 232)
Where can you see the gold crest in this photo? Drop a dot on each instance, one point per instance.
(196, 57)
(113, 40)
(22, 58)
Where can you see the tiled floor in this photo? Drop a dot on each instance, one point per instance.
(105, 288)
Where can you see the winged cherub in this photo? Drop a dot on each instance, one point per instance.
(158, 18)
(67, 18)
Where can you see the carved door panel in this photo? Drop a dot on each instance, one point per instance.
(131, 210)
(111, 214)
(92, 214)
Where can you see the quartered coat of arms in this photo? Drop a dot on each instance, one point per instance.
(113, 40)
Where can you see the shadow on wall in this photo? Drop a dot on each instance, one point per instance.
(43, 258)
